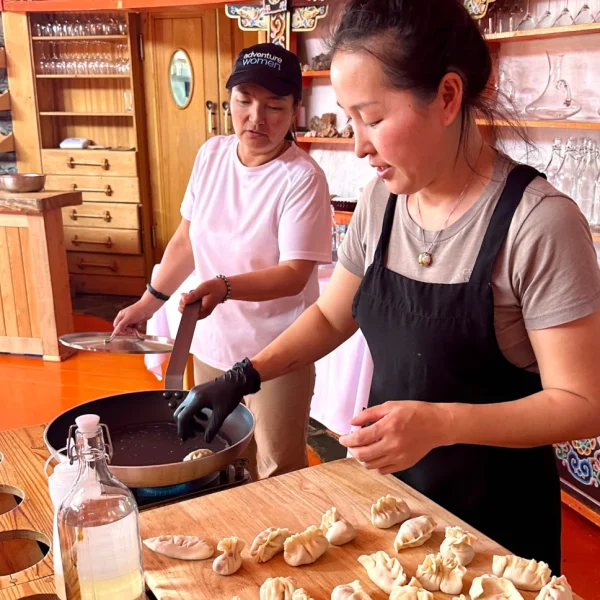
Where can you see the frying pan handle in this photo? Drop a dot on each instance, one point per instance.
(181, 347)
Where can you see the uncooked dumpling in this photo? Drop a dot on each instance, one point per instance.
(301, 594)
(202, 453)
(305, 548)
(557, 588)
(277, 588)
(231, 559)
(458, 544)
(268, 543)
(437, 573)
(350, 591)
(529, 575)
(383, 570)
(389, 511)
(413, 591)
(183, 547)
(337, 530)
(461, 597)
(490, 587)
(414, 532)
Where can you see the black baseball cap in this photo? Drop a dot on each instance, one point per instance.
(270, 66)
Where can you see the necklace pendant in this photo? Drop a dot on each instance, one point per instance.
(425, 259)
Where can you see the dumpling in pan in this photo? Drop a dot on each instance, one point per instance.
(458, 544)
(268, 543)
(414, 532)
(413, 591)
(383, 570)
(529, 575)
(201, 453)
(301, 594)
(490, 587)
(183, 547)
(557, 588)
(350, 591)
(305, 548)
(277, 588)
(389, 511)
(231, 560)
(437, 573)
(337, 530)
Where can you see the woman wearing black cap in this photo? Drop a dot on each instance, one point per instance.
(256, 221)
(473, 280)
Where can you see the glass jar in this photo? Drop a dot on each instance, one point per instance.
(567, 175)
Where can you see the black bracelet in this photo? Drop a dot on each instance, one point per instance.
(157, 294)
(227, 284)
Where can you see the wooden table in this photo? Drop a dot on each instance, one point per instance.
(35, 298)
(296, 501)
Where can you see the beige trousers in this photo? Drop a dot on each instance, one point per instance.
(281, 410)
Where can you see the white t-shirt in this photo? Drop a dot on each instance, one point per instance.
(248, 218)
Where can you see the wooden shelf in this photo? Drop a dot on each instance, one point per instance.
(310, 74)
(2, 58)
(7, 143)
(5, 100)
(110, 76)
(540, 34)
(315, 140)
(112, 5)
(62, 38)
(85, 114)
(545, 124)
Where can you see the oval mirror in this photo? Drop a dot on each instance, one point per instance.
(181, 78)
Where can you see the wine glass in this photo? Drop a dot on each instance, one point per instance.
(515, 16)
(527, 22)
(565, 18)
(546, 19)
(585, 15)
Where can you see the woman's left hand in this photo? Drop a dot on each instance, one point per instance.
(400, 434)
(211, 292)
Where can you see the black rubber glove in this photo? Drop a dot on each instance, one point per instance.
(222, 396)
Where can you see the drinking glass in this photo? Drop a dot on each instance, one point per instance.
(527, 22)
(547, 19)
(584, 15)
(565, 18)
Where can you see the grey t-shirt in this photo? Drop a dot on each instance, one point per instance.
(546, 273)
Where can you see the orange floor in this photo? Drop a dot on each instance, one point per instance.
(34, 391)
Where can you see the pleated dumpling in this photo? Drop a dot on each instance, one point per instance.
(301, 594)
(350, 591)
(305, 548)
(557, 588)
(389, 511)
(458, 544)
(529, 575)
(383, 570)
(202, 453)
(277, 588)
(413, 591)
(337, 530)
(490, 587)
(268, 543)
(231, 560)
(437, 573)
(183, 547)
(414, 532)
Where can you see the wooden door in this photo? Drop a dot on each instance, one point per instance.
(176, 133)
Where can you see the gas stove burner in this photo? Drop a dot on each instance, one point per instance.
(231, 476)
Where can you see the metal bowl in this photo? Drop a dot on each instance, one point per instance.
(22, 182)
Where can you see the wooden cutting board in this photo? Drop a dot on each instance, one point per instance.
(296, 501)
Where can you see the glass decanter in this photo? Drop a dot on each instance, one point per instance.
(567, 175)
(98, 526)
(556, 102)
(556, 161)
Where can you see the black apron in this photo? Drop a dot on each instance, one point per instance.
(437, 343)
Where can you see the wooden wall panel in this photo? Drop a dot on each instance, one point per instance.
(18, 280)
(8, 303)
(30, 283)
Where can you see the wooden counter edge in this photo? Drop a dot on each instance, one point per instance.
(37, 203)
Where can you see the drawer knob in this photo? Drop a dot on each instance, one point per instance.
(77, 241)
(113, 266)
(72, 163)
(105, 190)
(105, 216)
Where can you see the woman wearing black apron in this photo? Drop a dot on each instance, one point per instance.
(473, 280)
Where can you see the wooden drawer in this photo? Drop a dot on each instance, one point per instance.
(107, 284)
(112, 241)
(88, 263)
(102, 214)
(90, 162)
(97, 188)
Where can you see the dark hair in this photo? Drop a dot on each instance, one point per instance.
(417, 43)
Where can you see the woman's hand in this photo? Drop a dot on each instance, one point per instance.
(137, 314)
(211, 292)
(400, 434)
